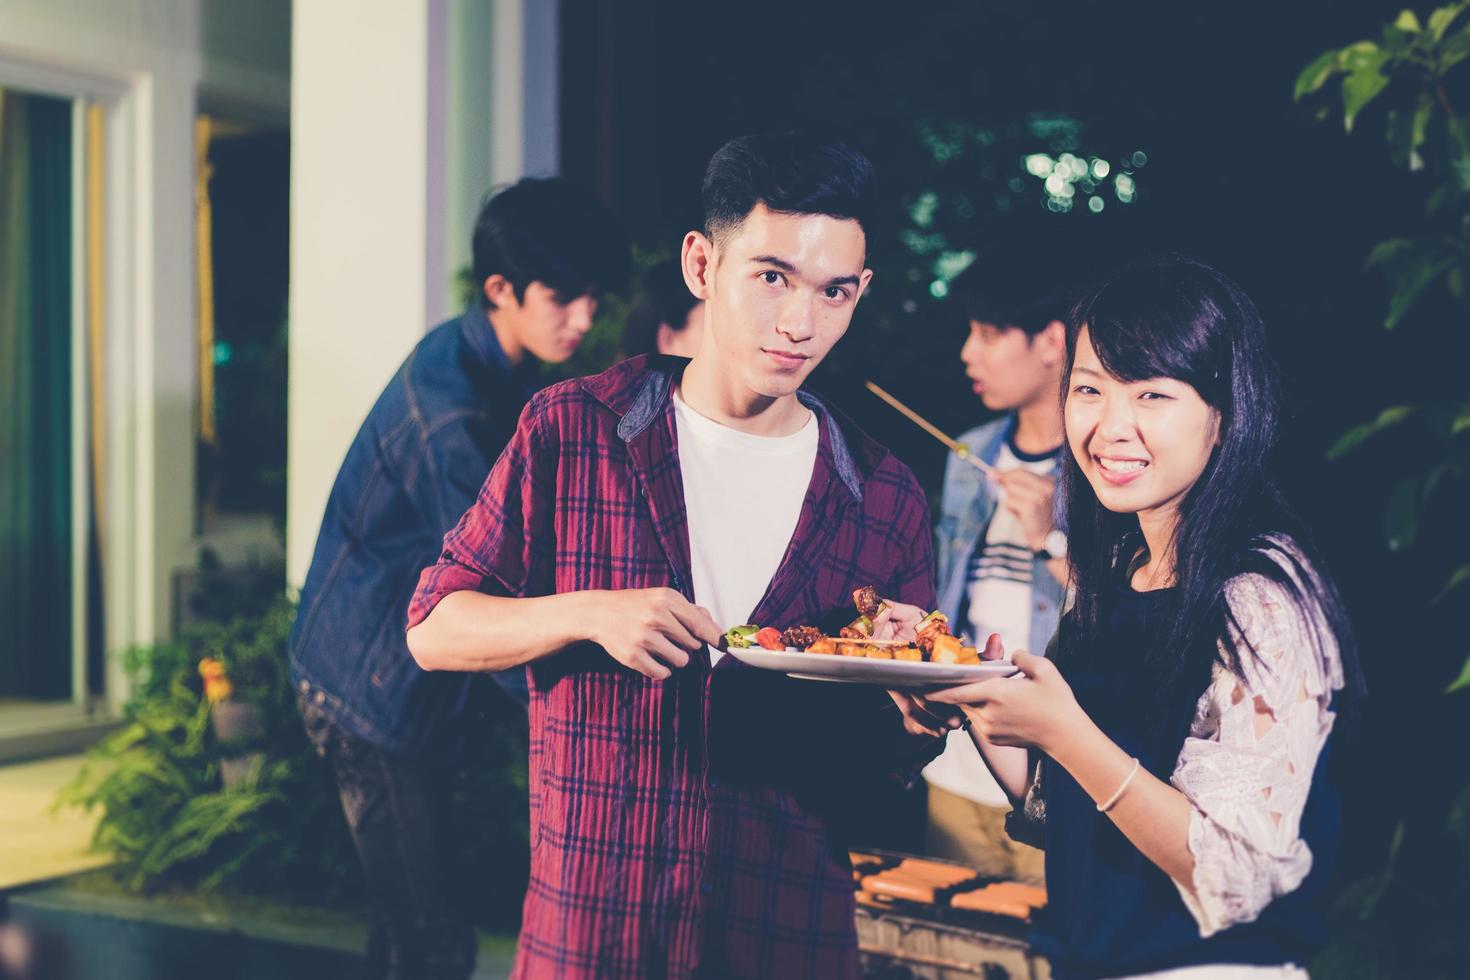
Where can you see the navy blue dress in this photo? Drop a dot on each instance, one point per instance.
(1112, 911)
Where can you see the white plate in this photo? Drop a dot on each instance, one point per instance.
(861, 670)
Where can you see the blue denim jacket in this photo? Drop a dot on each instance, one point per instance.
(965, 508)
(415, 467)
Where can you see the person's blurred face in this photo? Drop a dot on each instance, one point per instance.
(1009, 368)
(684, 340)
(540, 323)
(779, 291)
(1141, 444)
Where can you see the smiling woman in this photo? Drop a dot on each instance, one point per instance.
(1141, 444)
(1180, 730)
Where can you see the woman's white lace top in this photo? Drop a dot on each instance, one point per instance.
(1248, 762)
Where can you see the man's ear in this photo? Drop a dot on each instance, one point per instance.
(697, 259)
(500, 292)
(1053, 338)
(865, 277)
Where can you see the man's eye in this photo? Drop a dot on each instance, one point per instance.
(771, 277)
(836, 293)
(1154, 396)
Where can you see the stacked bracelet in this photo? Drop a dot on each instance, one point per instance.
(1105, 807)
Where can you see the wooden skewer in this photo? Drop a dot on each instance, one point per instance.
(955, 446)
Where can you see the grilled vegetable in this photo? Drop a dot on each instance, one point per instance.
(770, 638)
(933, 625)
(740, 637)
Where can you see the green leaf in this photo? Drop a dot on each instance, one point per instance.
(1455, 50)
(1455, 280)
(1359, 56)
(1422, 114)
(1461, 576)
(1463, 681)
(1315, 75)
(1358, 435)
(1440, 20)
(1444, 195)
(1408, 21)
(1360, 88)
(1388, 252)
(1410, 284)
(1460, 164)
(1401, 521)
(1406, 132)
(1457, 826)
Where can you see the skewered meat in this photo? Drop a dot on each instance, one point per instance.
(866, 600)
(802, 637)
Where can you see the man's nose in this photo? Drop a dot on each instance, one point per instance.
(580, 313)
(796, 322)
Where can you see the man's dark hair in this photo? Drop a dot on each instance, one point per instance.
(1019, 290)
(661, 297)
(548, 231)
(790, 173)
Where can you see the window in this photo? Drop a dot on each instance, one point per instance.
(44, 534)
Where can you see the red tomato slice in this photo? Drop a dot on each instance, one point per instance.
(770, 638)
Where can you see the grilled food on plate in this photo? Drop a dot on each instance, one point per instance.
(933, 641)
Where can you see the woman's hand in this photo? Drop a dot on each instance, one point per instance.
(1033, 709)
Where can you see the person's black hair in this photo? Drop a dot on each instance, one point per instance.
(1014, 290)
(789, 173)
(1177, 318)
(546, 230)
(661, 297)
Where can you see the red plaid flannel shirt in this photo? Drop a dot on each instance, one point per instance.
(685, 828)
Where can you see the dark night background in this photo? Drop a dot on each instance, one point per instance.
(1237, 173)
(948, 98)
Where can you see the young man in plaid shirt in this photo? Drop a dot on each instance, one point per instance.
(683, 805)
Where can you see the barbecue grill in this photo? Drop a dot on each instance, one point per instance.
(910, 929)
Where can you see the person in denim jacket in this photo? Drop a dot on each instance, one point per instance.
(543, 253)
(1000, 551)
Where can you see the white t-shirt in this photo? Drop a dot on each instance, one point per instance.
(999, 602)
(743, 494)
(999, 580)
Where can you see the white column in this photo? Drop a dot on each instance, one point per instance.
(403, 114)
(360, 226)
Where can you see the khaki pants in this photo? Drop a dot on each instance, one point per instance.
(971, 833)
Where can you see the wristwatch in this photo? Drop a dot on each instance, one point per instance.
(1054, 545)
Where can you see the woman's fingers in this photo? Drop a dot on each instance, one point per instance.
(977, 693)
(1030, 664)
(994, 648)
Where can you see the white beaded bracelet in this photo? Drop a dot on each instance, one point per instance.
(1105, 807)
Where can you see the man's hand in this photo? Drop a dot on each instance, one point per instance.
(923, 717)
(651, 631)
(896, 621)
(1029, 497)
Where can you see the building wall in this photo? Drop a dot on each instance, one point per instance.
(146, 60)
(404, 113)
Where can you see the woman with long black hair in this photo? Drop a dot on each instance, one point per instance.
(1170, 754)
